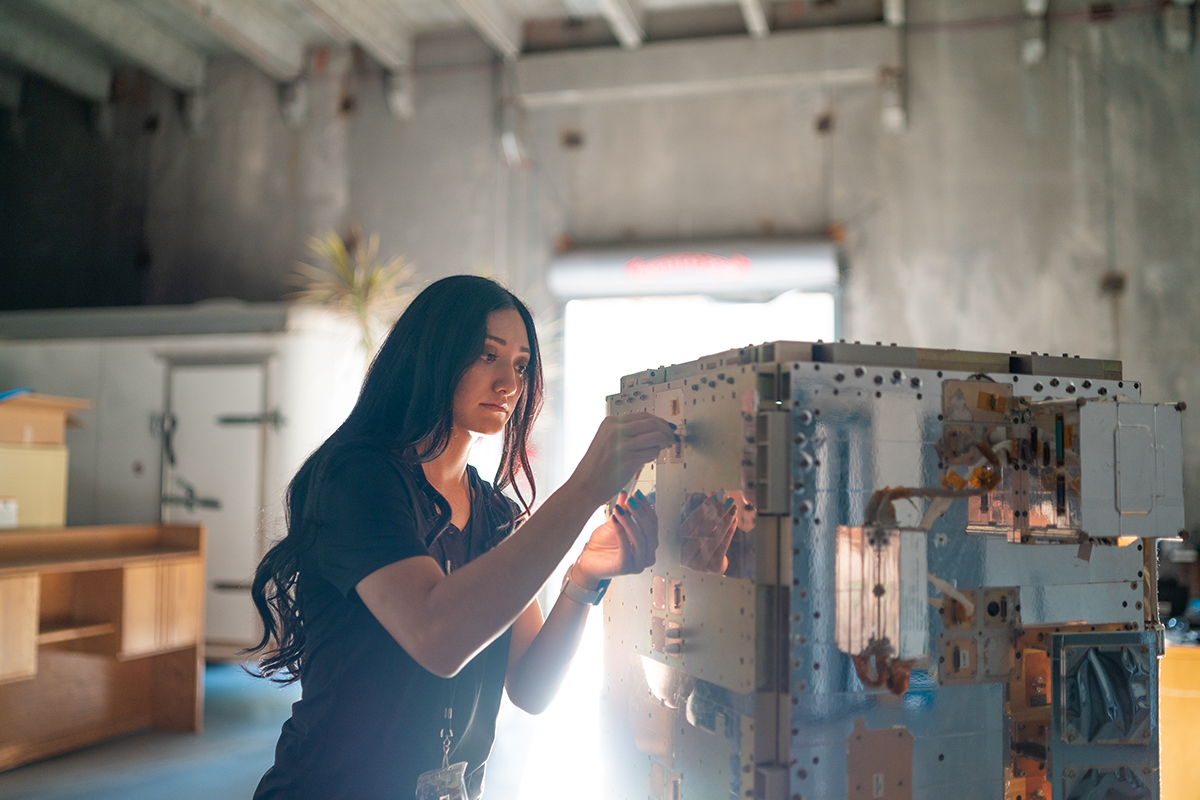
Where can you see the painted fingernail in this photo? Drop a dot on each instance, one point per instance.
(633, 502)
(678, 438)
(673, 425)
(728, 502)
(619, 510)
(640, 495)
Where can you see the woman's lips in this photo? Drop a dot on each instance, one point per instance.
(496, 407)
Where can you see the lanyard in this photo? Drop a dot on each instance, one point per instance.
(447, 732)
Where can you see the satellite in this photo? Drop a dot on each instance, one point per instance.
(890, 572)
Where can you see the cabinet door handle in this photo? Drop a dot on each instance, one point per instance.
(272, 418)
(188, 499)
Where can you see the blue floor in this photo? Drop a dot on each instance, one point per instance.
(242, 716)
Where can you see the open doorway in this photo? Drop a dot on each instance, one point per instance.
(605, 339)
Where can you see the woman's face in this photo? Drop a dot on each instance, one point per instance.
(488, 391)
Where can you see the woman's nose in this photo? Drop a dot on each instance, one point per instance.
(508, 382)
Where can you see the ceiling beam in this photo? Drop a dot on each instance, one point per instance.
(627, 19)
(131, 35)
(252, 30)
(837, 56)
(44, 55)
(368, 22)
(500, 29)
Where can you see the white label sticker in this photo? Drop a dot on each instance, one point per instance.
(8, 512)
(878, 787)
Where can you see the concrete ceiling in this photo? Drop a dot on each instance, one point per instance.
(77, 43)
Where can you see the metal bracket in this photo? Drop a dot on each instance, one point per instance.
(189, 500)
(771, 782)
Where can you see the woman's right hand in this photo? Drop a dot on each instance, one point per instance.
(620, 447)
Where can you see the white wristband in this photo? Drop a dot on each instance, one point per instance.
(586, 597)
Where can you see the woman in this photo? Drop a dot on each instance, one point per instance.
(402, 590)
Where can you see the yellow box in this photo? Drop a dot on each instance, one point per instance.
(1179, 715)
(28, 418)
(36, 475)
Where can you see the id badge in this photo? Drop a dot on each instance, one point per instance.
(447, 783)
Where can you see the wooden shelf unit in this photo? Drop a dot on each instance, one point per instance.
(101, 633)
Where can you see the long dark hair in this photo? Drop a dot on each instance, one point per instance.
(405, 406)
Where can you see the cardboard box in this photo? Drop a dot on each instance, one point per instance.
(36, 476)
(30, 418)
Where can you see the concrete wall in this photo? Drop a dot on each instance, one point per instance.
(233, 202)
(73, 199)
(431, 186)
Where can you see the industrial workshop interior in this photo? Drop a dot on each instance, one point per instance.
(838, 351)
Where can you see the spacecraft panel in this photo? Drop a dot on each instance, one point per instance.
(896, 573)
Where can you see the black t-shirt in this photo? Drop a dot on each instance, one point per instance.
(368, 722)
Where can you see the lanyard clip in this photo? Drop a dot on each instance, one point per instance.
(447, 735)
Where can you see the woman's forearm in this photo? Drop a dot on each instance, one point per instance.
(536, 676)
(443, 621)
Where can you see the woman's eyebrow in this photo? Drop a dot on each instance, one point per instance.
(500, 341)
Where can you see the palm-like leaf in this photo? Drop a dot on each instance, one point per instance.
(353, 282)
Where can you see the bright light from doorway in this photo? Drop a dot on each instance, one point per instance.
(604, 340)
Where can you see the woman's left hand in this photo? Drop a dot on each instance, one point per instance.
(624, 545)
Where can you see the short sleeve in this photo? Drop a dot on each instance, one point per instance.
(365, 519)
